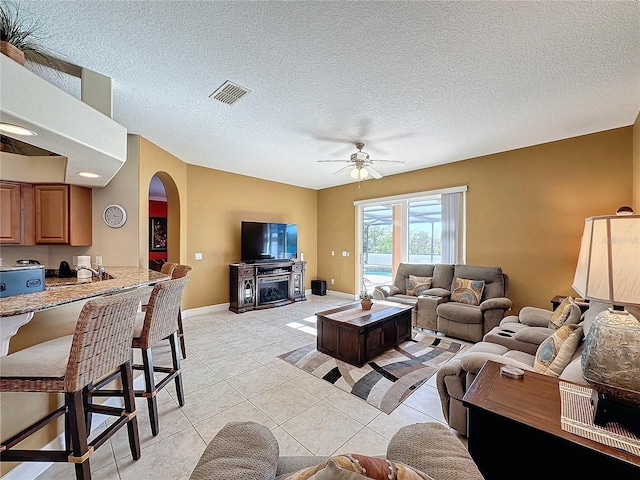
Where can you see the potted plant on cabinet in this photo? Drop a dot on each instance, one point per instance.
(20, 39)
(366, 300)
(8, 144)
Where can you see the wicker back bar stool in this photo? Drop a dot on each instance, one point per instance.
(178, 272)
(156, 324)
(100, 347)
(166, 269)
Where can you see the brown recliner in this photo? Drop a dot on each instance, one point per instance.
(455, 377)
(472, 322)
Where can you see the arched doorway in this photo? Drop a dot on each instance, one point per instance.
(164, 221)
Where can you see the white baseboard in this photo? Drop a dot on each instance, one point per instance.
(192, 312)
(221, 307)
(348, 296)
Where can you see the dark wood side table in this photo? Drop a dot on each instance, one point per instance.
(515, 432)
(555, 303)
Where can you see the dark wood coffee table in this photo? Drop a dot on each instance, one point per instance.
(354, 335)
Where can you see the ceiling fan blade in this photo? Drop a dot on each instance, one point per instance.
(373, 172)
(395, 136)
(325, 161)
(399, 162)
(342, 169)
(334, 139)
(365, 129)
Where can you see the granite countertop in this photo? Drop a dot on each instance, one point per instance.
(123, 278)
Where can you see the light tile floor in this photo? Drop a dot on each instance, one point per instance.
(232, 373)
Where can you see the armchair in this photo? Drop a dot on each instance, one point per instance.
(472, 322)
(454, 378)
(526, 331)
(248, 450)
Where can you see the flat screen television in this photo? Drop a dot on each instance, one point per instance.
(268, 242)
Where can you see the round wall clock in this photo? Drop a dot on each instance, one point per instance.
(115, 216)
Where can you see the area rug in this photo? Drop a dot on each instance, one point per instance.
(387, 379)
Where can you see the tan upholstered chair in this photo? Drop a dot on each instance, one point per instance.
(455, 377)
(178, 272)
(100, 346)
(243, 450)
(472, 322)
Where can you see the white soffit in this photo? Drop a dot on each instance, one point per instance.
(64, 125)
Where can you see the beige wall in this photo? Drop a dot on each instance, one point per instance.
(173, 173)
(525, 210)
(206, 218)
(636, 165)
(218, 202)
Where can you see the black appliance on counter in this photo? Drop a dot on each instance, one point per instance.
(64, 271)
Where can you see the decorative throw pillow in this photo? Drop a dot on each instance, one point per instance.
(467, 291)
(357, 467)
(417, 285)
(555, 353)
(561, 313)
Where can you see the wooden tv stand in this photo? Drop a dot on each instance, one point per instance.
(253, 286)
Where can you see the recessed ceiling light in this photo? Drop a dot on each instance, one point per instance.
(16, 130)
(89, 175)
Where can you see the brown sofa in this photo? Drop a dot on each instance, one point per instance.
(433, 309)
(248, 450)
(454, 377)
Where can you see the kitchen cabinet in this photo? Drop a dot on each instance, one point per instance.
(16, 214)
(63, 215)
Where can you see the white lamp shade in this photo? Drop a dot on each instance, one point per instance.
(608, 267)
(355, 173)
(364, 173)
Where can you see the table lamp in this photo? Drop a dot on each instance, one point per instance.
(608, 271)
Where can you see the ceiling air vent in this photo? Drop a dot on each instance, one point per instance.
(229, 93)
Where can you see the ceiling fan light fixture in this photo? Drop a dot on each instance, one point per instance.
(355, 173)
(364, 173)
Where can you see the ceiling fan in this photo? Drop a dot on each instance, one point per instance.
(361, 164)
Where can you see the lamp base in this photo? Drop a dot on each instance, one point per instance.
(609, 409)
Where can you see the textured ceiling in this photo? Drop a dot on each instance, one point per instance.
(423, 82)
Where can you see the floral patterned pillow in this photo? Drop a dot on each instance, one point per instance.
(357, 467)
(467, 291)
(561, 313)
(555, 353)
(417, 285)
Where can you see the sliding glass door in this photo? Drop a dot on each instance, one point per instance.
(379, 231)
(420, 228)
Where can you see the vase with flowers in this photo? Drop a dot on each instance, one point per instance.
(20, 38)
(366, 300)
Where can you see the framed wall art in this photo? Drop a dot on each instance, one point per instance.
(157, 234)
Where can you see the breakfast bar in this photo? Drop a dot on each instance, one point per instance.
(17, 310)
